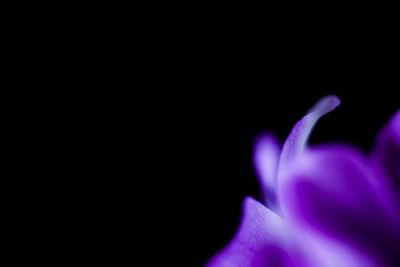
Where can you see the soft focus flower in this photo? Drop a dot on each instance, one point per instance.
(327, 205)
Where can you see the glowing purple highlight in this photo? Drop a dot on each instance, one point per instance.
(266, 158)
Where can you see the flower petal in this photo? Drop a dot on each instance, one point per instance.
(266, 154)
(259, 241)
(329, 191)
(385, 158)
(298, 137)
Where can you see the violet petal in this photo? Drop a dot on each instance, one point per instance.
(298, 137)
(266, 154)
(259, 241)
(328, 191)
(385, 157)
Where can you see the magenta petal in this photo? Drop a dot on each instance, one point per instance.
(265, 159)
(259, 241)
(330, 191)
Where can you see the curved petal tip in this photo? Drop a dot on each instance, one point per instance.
(325, 105)
(298, 137)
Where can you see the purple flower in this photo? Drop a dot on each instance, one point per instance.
(327, 205)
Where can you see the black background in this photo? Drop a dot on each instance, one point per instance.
(160, 146)
(150, 119)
